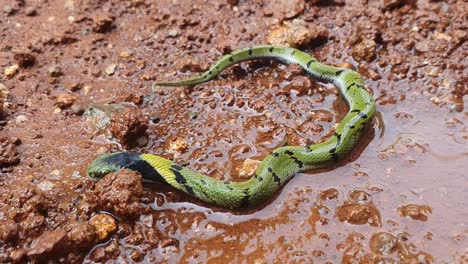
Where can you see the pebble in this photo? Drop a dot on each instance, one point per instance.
(296, 33)
(4, 94)
(104, 225)
(77, 109)
(177, 144)
(111, 69)
(248, 168)
(11, 70)
(21, 119)
(31, 11)
(54, 71)
(65, 100)
(173, 33)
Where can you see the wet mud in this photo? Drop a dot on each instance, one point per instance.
(76, 82)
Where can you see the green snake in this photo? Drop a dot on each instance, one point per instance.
(277, 167)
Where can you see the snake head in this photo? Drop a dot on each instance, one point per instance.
(102, 166)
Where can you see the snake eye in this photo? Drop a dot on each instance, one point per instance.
(100, 167)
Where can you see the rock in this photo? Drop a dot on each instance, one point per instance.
(189, 64)
(301, 85)
(9, 231)
(366, 50)
(422, 46)
(102, 23)
(177, 144)
(4, 95)
(21, 119)
(173, 33)
(77, 109)
(249, 166)
(99, 116)
(104, 225)
(11, 70)
(25, 59)
(64, 100)
(48, 243)
(31, 11)
(120, 193)
(54, 71)
(110, 70)
(297, 33)
(292, 71)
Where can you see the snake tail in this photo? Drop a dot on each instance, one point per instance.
(282, 163)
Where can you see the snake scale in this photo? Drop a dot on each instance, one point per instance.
(277, 167)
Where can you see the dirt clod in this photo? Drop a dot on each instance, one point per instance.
(128, 126)
(8, 153)
(120, 193)
(48, 243)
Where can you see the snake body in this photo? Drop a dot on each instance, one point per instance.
(277, 167)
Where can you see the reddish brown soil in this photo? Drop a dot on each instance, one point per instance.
(401, 197)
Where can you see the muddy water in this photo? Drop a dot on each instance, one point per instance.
(400, 197)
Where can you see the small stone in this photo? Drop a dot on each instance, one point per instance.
(102, 23)
(31, 11)
(21, 119)
(77, 109)
(177, 144)
(433, 71)
(76, 87)
(111, 69)
(46, 185)
(297, 33)
(4, 94)
(249, 166)
(11, 70)
(65, 100)
(173, 33)
(422, 46)
(124, 54)
(104, 225)
(54, 71)
(87, 89)
(366, 50)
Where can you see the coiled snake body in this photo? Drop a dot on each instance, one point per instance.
(277, 167)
